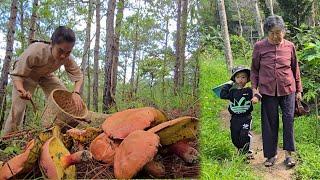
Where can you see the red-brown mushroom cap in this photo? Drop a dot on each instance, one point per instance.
(119, 125)
(103, 148)
(136, 150)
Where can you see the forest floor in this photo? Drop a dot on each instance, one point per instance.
(276, 172)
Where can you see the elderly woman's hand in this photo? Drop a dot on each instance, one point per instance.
(299, 96)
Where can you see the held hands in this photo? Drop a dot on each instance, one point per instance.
(256, 96)
(77, 100)
(26, 95)
(299, 96)
(254, 100)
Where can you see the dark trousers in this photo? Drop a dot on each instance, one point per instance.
(240, 132)
(270, 123)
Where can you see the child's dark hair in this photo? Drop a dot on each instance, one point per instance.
(63, 34)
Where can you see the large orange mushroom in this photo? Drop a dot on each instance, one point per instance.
(103, 148)
(119, 125)
(135, 151)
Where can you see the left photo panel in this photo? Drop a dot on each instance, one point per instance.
(99, 89)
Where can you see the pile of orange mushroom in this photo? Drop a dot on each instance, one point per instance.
(129, 140)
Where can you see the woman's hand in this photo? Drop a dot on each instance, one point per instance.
(256, 96)
(299, 96)
(77, 100)
(254, 100)
(26, 95)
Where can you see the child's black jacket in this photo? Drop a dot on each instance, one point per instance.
(240, 100)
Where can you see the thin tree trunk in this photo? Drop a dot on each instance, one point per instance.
(86, 48)
(119, 17)
(184, 19)
(96, 59)
(22, 28)
(269, 4)
(33, 21)
(124, 77)
(9, 50)
(225, 34)
(165, 57)
(134, 59)
(89, 85)
(177, 44)
(313, 14)
(3, 110)
(258, 19)
(136, 86)
(196, 77)
(239, 19)
(108, 100)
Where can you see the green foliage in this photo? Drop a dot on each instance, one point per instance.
(304, 34)
(14, 148)
(218, 155)
(240, 47)
(295, 12)
(213, 39)
(310, 58)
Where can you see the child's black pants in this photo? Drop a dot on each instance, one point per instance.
(240, 132)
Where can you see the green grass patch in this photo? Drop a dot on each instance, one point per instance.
(308, 147)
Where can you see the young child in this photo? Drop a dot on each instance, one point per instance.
(240, 108)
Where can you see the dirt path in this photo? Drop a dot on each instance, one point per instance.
(278, 171)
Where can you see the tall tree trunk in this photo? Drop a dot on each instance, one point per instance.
(225, 34)
(119, 17)
(312, 19)
(9, 50)
(96, 58)
(196, 77)
(136, 86)
(124, 77)
(33, 21)
(258, 19)
(3, 110)
(108, 100)
(269, 4)
(22, 28)
(134, 59)
(165, 57)
(184, 30)
(86, 48)
(177, 44)
(239, 19)
(89, 85)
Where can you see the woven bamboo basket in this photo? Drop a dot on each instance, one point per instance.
(60, 110)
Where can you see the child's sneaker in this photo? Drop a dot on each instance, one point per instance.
(249, 155)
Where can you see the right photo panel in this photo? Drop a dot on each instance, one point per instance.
(259, 89)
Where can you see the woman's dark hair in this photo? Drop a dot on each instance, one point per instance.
(273, 21)
(63, 34)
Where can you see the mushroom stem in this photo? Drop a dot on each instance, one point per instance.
(184, 151)
(155, 169)
(77, 157)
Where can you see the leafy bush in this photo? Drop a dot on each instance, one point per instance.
(310, 59)
(240, 47)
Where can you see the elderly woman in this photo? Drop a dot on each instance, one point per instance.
(275, 76)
